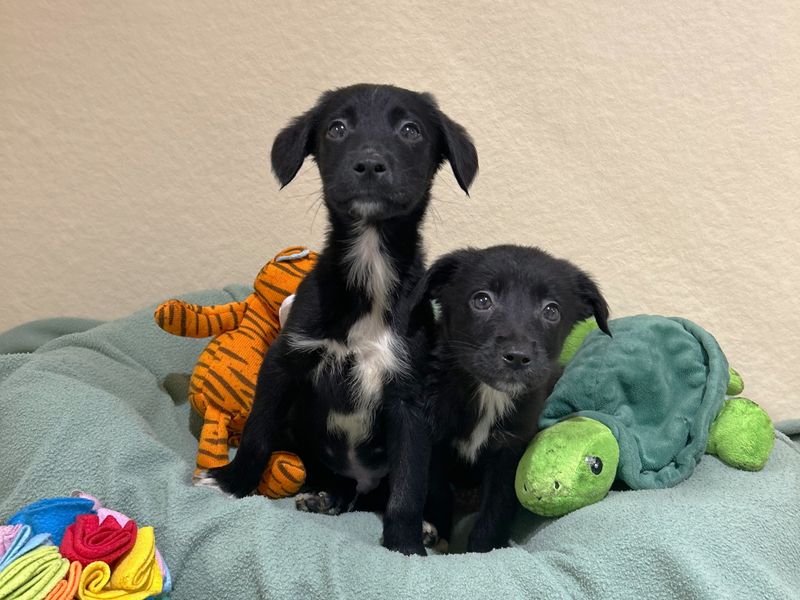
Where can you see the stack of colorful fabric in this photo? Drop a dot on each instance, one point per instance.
(73, 547)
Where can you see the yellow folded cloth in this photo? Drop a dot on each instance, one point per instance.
(33, 575)
(67, 587)
(136, 576)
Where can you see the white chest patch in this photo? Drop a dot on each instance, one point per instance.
(493, 405)
(375, 352)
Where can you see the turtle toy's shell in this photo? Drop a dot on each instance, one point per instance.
(658, 383)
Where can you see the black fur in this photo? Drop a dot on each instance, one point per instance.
(377, 148)
(507, 344)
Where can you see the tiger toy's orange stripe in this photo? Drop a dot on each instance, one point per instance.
(223, 382)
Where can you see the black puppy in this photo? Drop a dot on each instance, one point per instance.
(341, 385)
(505, 312)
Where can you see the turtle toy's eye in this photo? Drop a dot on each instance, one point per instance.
(595, 464)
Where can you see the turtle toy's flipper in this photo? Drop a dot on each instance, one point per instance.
(742, 435)
(567, 466)
(575, 338)
(735, 383)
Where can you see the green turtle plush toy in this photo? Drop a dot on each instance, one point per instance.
(642, 406)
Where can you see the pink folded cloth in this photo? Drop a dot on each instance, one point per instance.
(7, 535)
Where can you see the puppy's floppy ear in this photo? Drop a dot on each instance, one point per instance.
(460, 151)
(594, 303)
(457, 146)
(441, 272)
(435, 279)
(293, 144)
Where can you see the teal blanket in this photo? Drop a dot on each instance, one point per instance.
(104, 411)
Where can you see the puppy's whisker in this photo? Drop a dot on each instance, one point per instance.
(437, 218)
(319, 202)
(463, 345)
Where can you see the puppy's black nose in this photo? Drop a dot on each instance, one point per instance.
(370, 166)
(515, 359)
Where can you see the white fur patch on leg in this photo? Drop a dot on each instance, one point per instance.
(203, 479)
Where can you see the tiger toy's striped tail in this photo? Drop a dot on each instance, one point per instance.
(192, 320)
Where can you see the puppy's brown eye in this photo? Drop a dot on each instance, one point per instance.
(551, 312)
(482, 301)
(337, 130)
(410, 131)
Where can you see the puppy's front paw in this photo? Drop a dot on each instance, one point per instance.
(204, 479)
(319, 502)
(406, 547)
(430, 535)
(401, 538)
(227, 479)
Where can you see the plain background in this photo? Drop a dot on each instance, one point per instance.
(657, 145)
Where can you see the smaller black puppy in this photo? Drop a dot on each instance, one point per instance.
(505, 313)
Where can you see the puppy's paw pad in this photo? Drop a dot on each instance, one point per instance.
(430, 535)
(321, 503)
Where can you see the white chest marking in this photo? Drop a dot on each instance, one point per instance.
(377, 353)
(493, 405)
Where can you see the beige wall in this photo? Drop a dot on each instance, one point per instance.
(655, 144)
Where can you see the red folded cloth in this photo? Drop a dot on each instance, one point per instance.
(87, 540)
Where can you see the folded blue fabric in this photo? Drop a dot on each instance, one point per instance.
(52, 515)
(22, 544)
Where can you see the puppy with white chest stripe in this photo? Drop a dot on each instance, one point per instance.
(342, 383)
(505, 313)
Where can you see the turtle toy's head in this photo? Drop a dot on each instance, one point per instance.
(567, 466)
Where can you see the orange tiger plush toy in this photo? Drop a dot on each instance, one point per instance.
(224, 379)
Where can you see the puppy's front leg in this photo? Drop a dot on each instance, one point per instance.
(409, 445)
(498, 502)
(274, 391)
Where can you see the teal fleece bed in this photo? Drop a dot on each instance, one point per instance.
(104, 410)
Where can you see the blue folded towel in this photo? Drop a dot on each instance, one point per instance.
(52, 515)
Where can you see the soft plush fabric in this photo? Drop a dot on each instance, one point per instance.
(33, 575)
(105, 411)
(51, 515)
(657, 383)
(8, 534)
(136, 577)
(88, 540)
(742, 435)
(30, 336)
(138, 570)
(24, 542)
(105, 513)
(68, 586)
